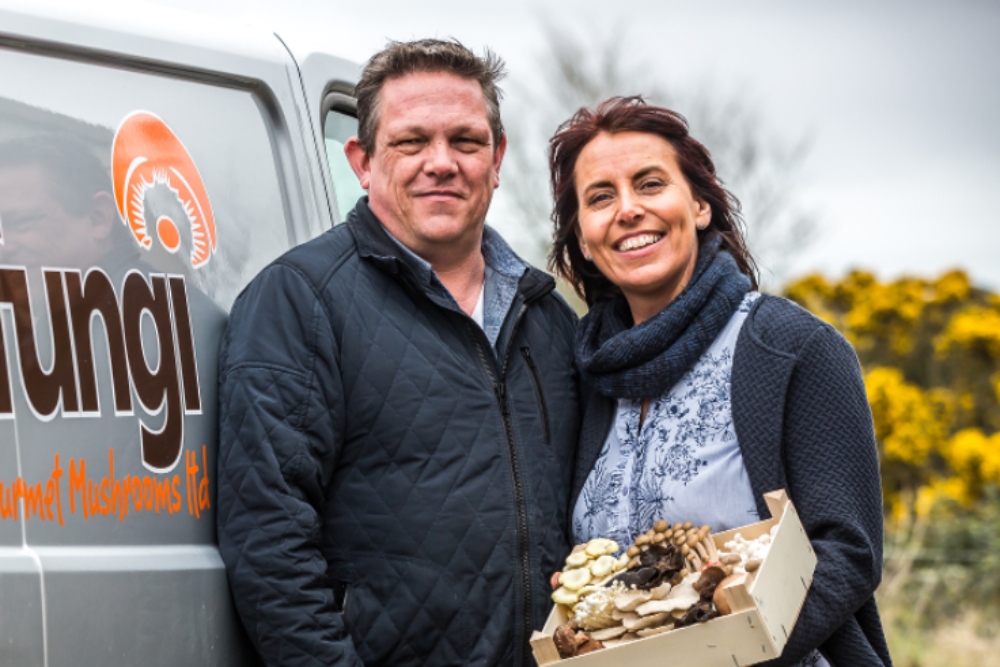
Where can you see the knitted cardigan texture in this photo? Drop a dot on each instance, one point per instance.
(803, 423)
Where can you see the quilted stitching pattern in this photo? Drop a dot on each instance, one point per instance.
(362, 445)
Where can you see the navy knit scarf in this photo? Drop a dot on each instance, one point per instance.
(646, 360)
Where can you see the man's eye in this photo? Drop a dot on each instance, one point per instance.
(468, 144)
(410, 143)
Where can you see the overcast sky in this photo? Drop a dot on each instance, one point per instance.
(900, 99)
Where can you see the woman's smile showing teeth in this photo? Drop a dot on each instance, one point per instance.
(638, 218)
(640, 241)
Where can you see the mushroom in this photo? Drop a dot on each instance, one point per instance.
(608, 633)
(603, 566)
(565, 597)
(645, 621)
(565, 640)
(576, 579)
(719, 599)
(589, 646)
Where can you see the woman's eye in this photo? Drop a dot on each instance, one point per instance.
(651, 185)
(598, 199)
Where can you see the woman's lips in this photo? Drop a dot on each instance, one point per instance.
(637, 242)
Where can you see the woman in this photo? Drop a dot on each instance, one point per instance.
(701, 394)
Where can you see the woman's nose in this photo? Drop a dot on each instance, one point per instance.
(629, 209)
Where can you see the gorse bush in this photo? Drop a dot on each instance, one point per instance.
(930, 350)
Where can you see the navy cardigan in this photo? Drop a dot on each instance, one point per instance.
(803, 424)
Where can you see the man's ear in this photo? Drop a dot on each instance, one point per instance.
(358, 158)
(103, 215)
(498, 158)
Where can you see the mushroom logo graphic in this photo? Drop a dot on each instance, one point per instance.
(158, 189)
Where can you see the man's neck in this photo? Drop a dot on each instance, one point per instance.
(464, 279)
(462, 271)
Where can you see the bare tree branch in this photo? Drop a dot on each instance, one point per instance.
(577, 70)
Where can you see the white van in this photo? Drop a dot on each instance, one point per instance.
(150, 166)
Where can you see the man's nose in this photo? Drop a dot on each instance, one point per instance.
(440, 159)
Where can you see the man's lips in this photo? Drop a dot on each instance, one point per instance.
(440, 194)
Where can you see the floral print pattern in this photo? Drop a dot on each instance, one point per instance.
(684, 452)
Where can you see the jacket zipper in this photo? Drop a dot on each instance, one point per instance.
(520, 504)
(536, 383)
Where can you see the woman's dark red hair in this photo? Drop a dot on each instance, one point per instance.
(633, 114)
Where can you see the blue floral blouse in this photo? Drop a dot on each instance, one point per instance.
(683, 464)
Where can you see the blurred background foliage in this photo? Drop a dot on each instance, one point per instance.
(930, 350)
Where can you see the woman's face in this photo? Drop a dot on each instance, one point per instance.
(638, 217)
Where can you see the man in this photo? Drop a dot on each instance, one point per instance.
(398, 408)
(56, 207)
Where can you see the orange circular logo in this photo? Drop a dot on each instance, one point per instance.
(156, 181)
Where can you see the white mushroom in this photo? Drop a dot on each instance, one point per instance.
(576, 579)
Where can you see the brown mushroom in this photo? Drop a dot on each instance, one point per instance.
(589, 646)
(565, 640)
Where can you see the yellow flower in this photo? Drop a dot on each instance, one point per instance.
(974, 457)
(952, 286)
(939, 489)
(909, 423)
(973, 329)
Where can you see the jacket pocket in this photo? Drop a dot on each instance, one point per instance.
(536, 383)
(342, 595)
(404, 607)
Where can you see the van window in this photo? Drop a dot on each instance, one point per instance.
(134, 207)
(223, 135)
(338, 127)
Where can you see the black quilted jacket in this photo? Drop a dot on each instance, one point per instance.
(803, 424)
(391, 492)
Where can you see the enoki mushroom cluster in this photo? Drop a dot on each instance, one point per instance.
(670, 577)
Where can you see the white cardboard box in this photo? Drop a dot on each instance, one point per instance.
(764, 609)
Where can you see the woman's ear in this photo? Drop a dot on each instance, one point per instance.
(583, 246)
(704, 214)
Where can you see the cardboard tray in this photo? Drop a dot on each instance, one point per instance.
(765, 609)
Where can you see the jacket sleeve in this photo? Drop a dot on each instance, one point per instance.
(280, 422)
(831, 463)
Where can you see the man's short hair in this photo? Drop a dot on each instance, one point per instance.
(426, 55)
(74, 174)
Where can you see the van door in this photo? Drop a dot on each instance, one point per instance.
(135, 204)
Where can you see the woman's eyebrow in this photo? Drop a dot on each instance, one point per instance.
(597, 185)
(646, 171)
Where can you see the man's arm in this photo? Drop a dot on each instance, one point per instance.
(280, 420)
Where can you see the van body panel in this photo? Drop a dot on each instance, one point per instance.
(22, 640)
(188, 153)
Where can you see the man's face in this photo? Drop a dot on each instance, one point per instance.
(434, 167)
(38, 230)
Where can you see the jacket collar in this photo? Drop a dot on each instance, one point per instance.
(375, 244)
